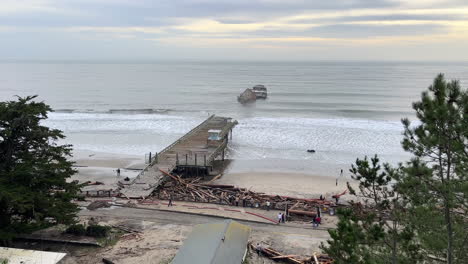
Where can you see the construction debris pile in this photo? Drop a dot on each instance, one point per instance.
(192, 190)
(285, 258)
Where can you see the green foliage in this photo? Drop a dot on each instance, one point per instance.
(34, 192)
(418, 212)
(93, 230)
(373, 230)
(97, 231)
(435, 181)
(346, 244)
(78, 230)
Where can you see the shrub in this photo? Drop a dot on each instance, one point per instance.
(78, 230)
(97, 231)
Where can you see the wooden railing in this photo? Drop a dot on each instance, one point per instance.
(216, 152)
(155, 160)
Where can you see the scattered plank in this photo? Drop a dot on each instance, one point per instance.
(284, 256)
(107, 261)
(295, 259)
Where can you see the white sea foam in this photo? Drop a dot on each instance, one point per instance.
(336, 141)
(120, 123)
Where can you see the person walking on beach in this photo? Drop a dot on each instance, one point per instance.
(280, 216)
(118, 172)
(283, 218)
(170, 201)
(268, 205)
(341, 175)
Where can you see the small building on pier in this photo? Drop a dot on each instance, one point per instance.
(214, 137)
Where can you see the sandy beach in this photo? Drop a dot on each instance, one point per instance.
(97, 166)
(287, 183)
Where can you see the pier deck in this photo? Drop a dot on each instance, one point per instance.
(191, 151)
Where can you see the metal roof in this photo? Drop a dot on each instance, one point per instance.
(24, 256)
(217, 243)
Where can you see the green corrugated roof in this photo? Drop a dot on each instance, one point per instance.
(217, 243)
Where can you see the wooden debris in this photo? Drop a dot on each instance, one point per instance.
(216, 177)
(340, 194)
(94, 183)
(284, 256)
(131, 236)
(107, 261)
(295, 259)
(304, 213)
(191, 190)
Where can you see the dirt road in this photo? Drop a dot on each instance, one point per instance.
(168, 217)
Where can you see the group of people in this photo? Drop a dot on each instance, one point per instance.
(238, 201)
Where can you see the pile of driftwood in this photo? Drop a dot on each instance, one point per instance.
(294, 259)
(193, 190)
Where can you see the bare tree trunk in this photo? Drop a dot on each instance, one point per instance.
(394, 245)
(448, 216)
(448, 220)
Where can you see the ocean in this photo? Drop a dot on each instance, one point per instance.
(343, 110)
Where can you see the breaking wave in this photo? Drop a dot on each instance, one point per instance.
(254, 138)
(116, 111)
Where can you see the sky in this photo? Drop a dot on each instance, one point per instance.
(270, 30)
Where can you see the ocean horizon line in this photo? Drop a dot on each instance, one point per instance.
(209, 61)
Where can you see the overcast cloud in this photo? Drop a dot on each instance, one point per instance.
(240, 29)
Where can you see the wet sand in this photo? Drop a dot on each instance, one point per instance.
(102, 167)
(287, 183)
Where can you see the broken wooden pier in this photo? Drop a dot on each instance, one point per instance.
(192, 154)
